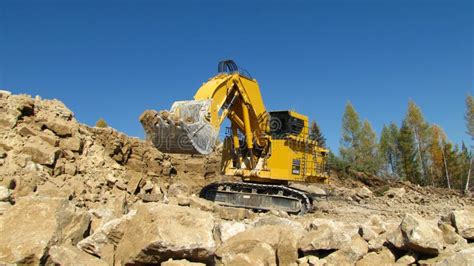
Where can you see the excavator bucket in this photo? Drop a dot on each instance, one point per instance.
(184, 129)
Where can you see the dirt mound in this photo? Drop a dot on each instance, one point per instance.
(72, 193)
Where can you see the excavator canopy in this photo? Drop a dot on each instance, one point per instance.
(183, 129)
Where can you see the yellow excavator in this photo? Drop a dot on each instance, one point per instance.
(266, 149)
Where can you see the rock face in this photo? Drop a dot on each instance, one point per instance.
(159, 232)
(71, 194)
(46, 222)
(415, 233)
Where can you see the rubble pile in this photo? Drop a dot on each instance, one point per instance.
(73, 194)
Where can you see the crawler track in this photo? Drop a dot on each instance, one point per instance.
(258, 196)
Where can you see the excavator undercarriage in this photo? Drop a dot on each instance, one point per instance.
(267, 150)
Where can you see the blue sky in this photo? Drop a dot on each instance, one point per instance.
(116, 59)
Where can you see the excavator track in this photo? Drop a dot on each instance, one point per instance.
(258, 196)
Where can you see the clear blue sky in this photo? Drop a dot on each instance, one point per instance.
(116, 59)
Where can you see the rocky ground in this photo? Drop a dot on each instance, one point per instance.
(72, 194)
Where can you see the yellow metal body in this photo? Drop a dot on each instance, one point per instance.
(254, 151)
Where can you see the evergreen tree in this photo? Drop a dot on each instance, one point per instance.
(408, 154)
(470, 130)
(368, 150)
(388, 147)
(101, 123)
(470, 115)
(466, 161)
(421, 134)
(315, 134)
(350, 139)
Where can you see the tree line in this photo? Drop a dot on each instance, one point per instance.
(414, 150)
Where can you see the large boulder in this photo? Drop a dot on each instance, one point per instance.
(261, 244)
(463, 221)
(382, 257)
(349, 254)
(325, 237)
(108, 235)
(463, 257)
(40, 151)
(417, 234)
(158, 232)
(34, 224)
(70, 255)
(227, 229)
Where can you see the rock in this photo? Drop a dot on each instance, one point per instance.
(151, 197)
(72, 144)
(352, 252)
(395, 192)
(133, 183)
(178, 188)
(376, 224)
(460, 258)
(325, 237)
(5, 194)
(69, 255)
(108, 234)
(41, 152)
(463, 221)
(311, 260)
(258, 254)
(202, 204)
(378, 243)
(367, 233)
(59, 127)
(407, 259)
(234, 214)
(417, 234)
(363, 193)
(151, 237)
(148, 186)
(255, 245)
(228, 229)
(34, 224)
(48, 137)
(4, 207)
(382, 257)
(450, 236)
(172, 262)
(26, 130)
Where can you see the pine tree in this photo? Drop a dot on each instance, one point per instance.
(408, 153)
(421, 134)
(101, 123)
(315, 134)
(368, 150)
(350, 139)
(470, 130)
(470, 115)
(388, 147)
(466, 161)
